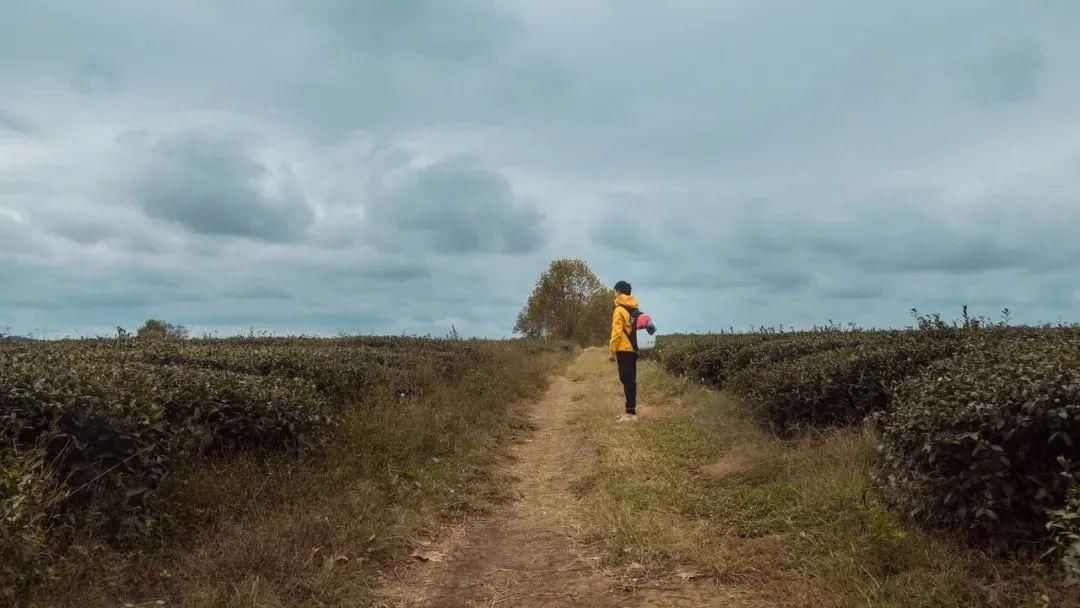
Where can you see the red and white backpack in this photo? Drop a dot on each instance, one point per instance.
(640, 340)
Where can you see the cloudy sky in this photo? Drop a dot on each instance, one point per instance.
(404, 165)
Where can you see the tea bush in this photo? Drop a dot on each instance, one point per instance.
(1064, 529)
(111, 422)
(336, 373)
(705, 358)
(985, 443)
(24, 494)
(841, 386)
(746, 363)
(112, 430)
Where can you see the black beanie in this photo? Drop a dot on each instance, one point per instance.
(623, 287)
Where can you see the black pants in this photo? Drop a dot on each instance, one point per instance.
(628, 377)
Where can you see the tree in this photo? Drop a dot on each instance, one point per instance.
(568, 303)
(154, 329)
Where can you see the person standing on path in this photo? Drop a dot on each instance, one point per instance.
(622, 349)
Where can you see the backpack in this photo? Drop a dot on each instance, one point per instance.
(640, 320)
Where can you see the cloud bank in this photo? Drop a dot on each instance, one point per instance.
(404, 166)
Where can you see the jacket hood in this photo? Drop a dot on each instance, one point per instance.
(625, 300)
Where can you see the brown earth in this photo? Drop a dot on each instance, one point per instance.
(529, 553)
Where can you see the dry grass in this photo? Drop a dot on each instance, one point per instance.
(316, 533)
(698, 488)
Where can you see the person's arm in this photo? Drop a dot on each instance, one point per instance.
(617, 332)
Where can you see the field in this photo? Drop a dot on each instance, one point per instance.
(975, 424)
(119, 457)
(934, 466)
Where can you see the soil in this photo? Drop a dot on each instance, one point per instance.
(529, 554)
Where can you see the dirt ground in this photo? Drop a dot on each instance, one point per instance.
(530, 554)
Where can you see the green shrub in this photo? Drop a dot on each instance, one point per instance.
(745, 364)
(114, 421)
(113, 430)
(1064, 529)
(985, 443)
(841, 386)
(705, 359)
(337, 373)
(23, 497)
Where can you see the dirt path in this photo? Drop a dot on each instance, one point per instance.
(528, 554)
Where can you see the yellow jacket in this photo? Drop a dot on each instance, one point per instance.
(620, 325)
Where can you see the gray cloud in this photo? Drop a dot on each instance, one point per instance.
(459, 208)
(259, 293)
(92, 78)
(401, 166)
(442, 31)
(1009, 73)
(854, 292)
(212, 186)
(13, 122)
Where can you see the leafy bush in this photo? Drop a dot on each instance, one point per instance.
(837, 387)
(744, 364)
(23, 497)
(718, 359)
(336, 373)
(985, 443)
(1064, 529)
(113, 430)
(705, 358)
(113, 421)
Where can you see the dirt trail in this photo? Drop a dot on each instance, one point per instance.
(528, 554)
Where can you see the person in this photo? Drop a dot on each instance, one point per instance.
(622, 350)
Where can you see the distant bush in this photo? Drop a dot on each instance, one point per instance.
(705, 358)
(746, 363)
(155, 329)
(986, 443)
(838, 387)
(336, 373)
(817, 378)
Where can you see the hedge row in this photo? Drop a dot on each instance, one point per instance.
(340, 373)
(112, 421)
(988, 443)
(821, 378)
(837, 386)
(980, 425)
(111, 430)
(705, 359)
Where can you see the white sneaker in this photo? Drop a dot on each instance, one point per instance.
(627, 418)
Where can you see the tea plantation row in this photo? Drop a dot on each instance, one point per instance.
(92, 433)
(979, 425)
